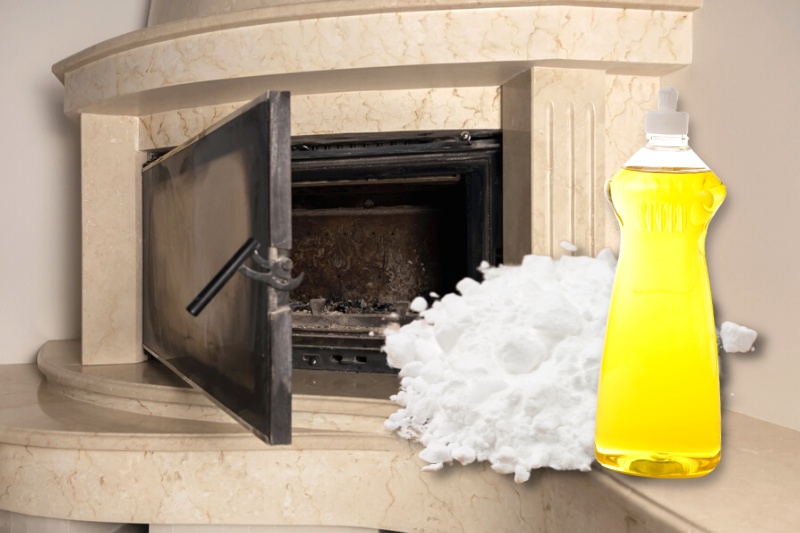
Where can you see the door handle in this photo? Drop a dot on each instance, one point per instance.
(222, 277)
(276, 274)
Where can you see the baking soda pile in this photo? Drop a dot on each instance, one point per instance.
(506, 371)
(736, 338)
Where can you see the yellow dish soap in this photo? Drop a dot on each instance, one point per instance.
(658, 404)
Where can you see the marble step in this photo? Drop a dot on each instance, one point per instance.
(322, 401)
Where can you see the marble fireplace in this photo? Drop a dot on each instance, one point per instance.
(567, 85)
(111, 437)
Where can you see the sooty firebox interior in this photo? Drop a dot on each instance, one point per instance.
(377, 220)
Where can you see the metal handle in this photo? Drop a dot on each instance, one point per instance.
(222, 277)
(277, 273)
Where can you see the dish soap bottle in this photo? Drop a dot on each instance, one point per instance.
(658, 405)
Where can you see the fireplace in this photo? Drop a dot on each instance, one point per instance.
(370, 222)
(567, 82)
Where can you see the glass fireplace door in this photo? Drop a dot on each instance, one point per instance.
(216, 217)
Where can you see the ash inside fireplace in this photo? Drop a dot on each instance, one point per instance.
(378, 220)
(347, 307)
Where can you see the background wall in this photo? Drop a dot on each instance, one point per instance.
(741, 92)
(40, 172)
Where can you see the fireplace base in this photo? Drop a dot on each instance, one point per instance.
(74, 459)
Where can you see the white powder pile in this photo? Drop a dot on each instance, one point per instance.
(506, 372)
(568, 246)
(736, 338)
(418, 304)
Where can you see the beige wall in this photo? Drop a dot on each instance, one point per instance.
(743, 95)
(40, 172)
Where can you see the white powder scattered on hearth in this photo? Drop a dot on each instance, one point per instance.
(736, 338)
(506, 371)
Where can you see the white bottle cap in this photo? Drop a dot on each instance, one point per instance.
(667, 120)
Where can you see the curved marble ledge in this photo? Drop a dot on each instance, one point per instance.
(321, 401)
(166, 11)
(71, 459)
(215, 16)
(222, 59)
(65, 458)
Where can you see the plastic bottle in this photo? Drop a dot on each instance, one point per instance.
(658, 406)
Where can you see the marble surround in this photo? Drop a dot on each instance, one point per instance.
(566, 82)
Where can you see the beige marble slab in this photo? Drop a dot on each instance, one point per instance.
(217, 16)
(166, 11)
(462, 108)
(370, 51)
(553, 163)
(69, 459)
(64, 458)
(111, 234)
(321, 400)
(755, 487)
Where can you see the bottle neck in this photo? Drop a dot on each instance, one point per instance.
(666, 151)
(655, 140)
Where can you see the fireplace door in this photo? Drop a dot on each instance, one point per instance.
(379, 219)
(216, 217)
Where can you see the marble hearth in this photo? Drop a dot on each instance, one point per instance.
(97, 433)
(131, 443)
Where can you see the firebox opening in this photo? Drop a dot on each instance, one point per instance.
(378, 220)
(366, 247)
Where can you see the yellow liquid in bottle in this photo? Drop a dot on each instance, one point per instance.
(658, 409)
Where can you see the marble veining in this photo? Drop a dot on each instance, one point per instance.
(111, 235)
(200, 18)
(474, 39)
(64, 458)
(168, 11)
(401, 110)
(347, 112)
(321, 402)
(352, 67)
